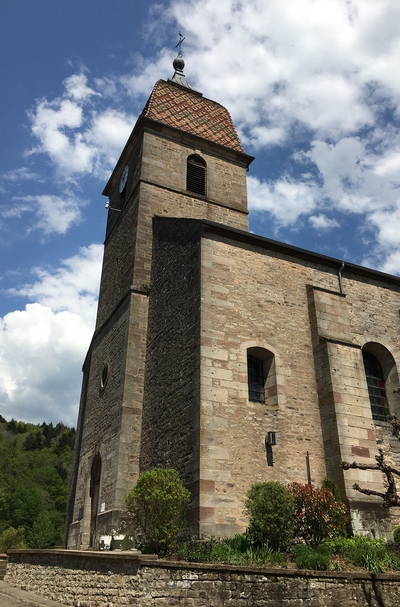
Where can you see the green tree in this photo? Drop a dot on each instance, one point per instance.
(157, 504)
(34, 441)
(270, 508)
(35, 464)
(43, 534)
(12, 539)
(25, 504)
(3, 503)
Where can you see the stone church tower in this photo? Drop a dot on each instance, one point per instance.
(182, 159)
(229, 357)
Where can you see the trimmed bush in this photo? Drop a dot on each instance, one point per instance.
(270, 508)
(318, 516)
(157, 504)
(396, 535)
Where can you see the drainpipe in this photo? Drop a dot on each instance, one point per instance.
(340, 278)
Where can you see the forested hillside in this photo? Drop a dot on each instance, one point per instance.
(35, 465)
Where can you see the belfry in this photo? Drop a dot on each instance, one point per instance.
(230, 357)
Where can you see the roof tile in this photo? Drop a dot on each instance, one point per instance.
(189, 111)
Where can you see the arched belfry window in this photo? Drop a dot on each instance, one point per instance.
(376, 387)
(196, 175)
(261, 376)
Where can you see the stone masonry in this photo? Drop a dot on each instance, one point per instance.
(88, 579)
(319, 405)
(187, 294)
(109, 425)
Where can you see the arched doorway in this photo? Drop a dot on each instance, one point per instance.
(95, 475)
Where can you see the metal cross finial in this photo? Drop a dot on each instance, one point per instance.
(181, 39)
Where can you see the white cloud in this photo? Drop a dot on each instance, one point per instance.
(303, 61)
(43, 346)
(322, 73)
(322, 222)
(76, 87)
(51, 214)
(21, 174)
(388, 166)
(73, 287)
(55, 214)
(285, 199)
(78, 138)
(391, 263)
(388, 223)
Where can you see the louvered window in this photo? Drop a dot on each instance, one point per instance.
(196, 175)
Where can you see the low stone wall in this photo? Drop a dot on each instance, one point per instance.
(99, 579)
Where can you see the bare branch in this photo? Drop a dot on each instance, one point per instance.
(392, 419)
(368, 491)
(347, 466)
(390, 497)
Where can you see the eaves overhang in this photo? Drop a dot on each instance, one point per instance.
(289, 251)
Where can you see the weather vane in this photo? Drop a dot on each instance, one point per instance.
(181, 39)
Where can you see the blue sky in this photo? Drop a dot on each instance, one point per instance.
(314, 92)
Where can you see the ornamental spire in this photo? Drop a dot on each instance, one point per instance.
(178, 65)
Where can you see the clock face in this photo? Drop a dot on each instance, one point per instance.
(123, 179)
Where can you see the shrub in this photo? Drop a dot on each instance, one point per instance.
(270, 508)
(396, 535)
(157, 504)
(318, 515)
(308, 557)
(12, 539)
(329, 483)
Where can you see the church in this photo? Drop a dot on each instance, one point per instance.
(230, 357)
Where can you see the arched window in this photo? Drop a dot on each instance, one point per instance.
(196, 175)
(261, 376)
(376, 387)
(255, 374)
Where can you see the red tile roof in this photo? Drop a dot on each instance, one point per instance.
(189, 111)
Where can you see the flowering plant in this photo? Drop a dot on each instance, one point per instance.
(318, 515)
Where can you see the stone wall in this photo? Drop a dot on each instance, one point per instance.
(170, 423)
(215, 294)
(110, 416)
(87, 579)
(255, 294)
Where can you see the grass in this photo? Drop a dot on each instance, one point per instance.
(238, 550)
(370, 554)
(337, 554)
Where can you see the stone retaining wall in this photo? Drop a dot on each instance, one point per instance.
(90, 579)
